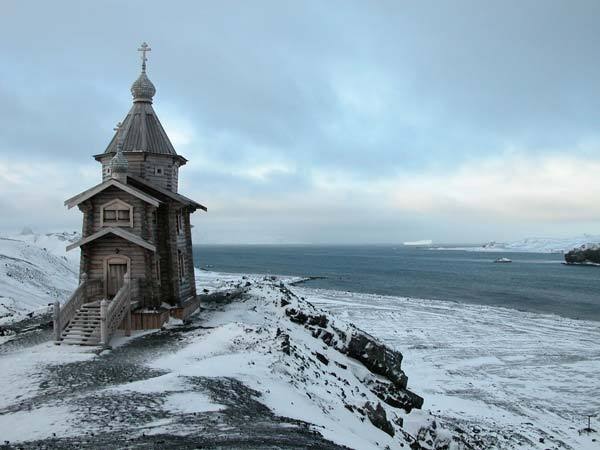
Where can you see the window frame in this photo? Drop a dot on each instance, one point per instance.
(117, 206)
(181, 265)
(179, 222)
(158, 277)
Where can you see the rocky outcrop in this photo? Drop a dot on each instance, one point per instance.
(378, 418)
(390, 387)
(587, 254)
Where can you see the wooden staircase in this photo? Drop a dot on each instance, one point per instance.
(84, 320)
(84, 328)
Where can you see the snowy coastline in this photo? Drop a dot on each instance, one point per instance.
(517, 379)
(529, 245)
(514, 387)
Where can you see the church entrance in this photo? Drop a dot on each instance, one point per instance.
(116, 267)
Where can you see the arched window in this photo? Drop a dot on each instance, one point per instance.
(116, 213)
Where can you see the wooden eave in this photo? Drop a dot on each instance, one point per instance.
(172, 195)
(79, 198)
(120, 232)
(181, 159)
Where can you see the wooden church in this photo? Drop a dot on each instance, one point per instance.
(136, 244)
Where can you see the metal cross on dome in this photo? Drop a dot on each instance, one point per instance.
(144, 48)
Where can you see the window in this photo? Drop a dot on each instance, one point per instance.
(108, 170)
(117, 213)
(181, 264)
(158, 171)
(158, 271)
(179, 219)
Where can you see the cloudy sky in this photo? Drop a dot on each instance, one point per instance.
(317, 122)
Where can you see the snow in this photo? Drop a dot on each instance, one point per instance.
(48, 421)
(515, 376)
(190, 403)
(239, 343)
(507, 372)
(35, 271)
(533, 245)
(423, 242)
(20, 374)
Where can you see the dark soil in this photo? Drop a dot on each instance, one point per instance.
(137, 420)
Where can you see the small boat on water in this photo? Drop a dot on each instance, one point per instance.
(502, 260)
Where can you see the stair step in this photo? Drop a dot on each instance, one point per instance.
(80, 339)
(95, 343)
(80, 332)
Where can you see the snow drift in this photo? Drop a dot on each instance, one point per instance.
(35, 270)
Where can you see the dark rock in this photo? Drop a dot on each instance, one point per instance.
(285, 344)
(583, 256)
(378, 418)
(296, 316)
(377, 358)
(319, 320)
(395, 396)
(322, 358)
(374, 355)
(284, 302)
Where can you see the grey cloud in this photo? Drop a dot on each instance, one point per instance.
(434, 84)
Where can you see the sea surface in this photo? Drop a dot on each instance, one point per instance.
(533, 282)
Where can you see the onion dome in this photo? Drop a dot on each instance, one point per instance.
(142, 89)
(119, 164)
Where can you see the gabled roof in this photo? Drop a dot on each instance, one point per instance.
(120, 232)
(144, 184)
(73, 201)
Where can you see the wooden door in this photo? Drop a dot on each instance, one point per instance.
(116, 275)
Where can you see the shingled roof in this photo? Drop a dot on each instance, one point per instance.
(143, 132)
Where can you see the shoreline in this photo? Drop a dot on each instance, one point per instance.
(300, 281)
(490, 367)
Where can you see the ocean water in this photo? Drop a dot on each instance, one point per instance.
(533, 282)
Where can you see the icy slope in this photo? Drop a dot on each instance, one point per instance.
(309, 366)
(528, 379)
(269, 359)
(35, 271)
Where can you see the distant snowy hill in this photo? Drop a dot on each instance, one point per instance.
(423, 242)
(35, 270)
(534, 245)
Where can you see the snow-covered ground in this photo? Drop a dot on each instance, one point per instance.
(521, 375)
(308, 382)
(532, 245)
(35, 270)
(519, 380)
(528, 379)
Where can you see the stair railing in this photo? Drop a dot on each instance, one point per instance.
(63, 315)
(112, 313)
